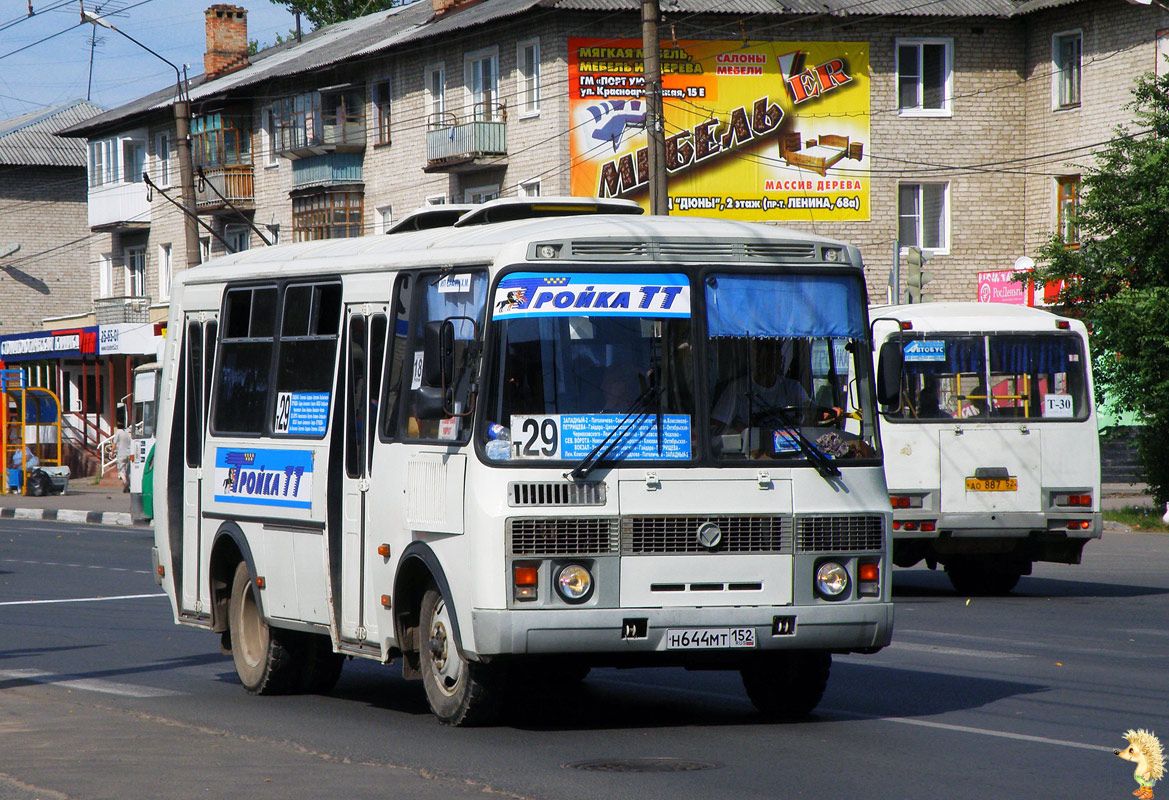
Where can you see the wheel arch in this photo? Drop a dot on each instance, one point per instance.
(418, 568)
(229, 546)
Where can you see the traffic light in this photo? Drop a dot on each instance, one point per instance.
(917, 278)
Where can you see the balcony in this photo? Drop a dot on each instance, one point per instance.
(320, 122)
(467, 144)
(331, 169)
(233, 182)
(114, 206)
(112, 310)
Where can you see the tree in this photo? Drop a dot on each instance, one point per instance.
(1117, 279)
(326, 12)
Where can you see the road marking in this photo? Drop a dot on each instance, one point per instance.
(847, 715)
(84, 684)
(953, 651)
(81, 599)
(74, 566)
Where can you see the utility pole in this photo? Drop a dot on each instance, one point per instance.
(654, 119)
(182, 111)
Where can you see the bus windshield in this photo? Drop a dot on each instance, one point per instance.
(1035, 376)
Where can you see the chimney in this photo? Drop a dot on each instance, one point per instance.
(227, 40)
(441, 7)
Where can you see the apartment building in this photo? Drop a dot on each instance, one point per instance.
(959, 127)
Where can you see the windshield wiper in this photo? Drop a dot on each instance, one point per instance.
(821, 462)
(614, 436)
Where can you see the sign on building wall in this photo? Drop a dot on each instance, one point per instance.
(754, 130)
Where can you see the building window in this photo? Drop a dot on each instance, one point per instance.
(436, 96)
(385, 218)
(313, 119)
(268, 139)
(1067, 205)
(923, 215)
(924, 77)
(220, 138)
(332, 214)
(273, 232)
(204, 249)
(381, 111)
(482, 75)
(436, 200)
(136, 271)
(1066, 55)
(133, 160)
(239, 237)
(105, 275)
(528, 59)
(162, 159)
(530, 188)
(164, 271)
(481, 194)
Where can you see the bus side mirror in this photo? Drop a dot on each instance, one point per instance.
(890, 363)
(438, 346)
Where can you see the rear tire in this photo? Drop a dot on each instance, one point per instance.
(265, 657)
(320, 666)
(460, 692)
(787, 686)
(983, 576)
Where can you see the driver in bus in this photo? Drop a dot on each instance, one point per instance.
(767, 386)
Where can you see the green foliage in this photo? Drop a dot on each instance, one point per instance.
(326, 12)
(1118, 278)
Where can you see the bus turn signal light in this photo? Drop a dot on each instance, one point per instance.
(1079, 524)
(870, 572)
(527, 581)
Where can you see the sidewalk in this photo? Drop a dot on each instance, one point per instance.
(96, 504)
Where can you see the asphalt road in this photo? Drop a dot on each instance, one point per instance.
(101, 696)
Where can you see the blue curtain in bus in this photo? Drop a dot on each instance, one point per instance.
(1026, 354)
(773, 305)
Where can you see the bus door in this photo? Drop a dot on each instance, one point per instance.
(199, 345)
(365, 343)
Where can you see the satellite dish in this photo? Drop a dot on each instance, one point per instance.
(1023, 263)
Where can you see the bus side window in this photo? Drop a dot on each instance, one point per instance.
(245, 351)
(397, 356)
(377, 355)
(195, 407)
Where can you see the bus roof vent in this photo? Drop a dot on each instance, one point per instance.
(522, 494)
(773, 251)
(698, 250)
(600, 249)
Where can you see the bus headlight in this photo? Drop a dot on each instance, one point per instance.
(831, 580)
(574, 583)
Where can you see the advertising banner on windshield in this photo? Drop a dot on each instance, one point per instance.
(754, 130)
(604, 294)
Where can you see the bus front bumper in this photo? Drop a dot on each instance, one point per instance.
(856, 626)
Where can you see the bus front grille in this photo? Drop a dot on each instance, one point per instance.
(520, 494)
(680, 534)
(819, 534)
(561, 536)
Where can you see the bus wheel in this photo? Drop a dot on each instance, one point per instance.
(982, 576)
(787, 685)
(264, 661)
(321, 667)
(460, 692)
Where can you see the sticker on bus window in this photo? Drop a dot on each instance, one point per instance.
(416, 376)
(256, 476)
(527, 294)
(455, 284)
(1058, 406)
(926, 350)
(448, 428)
(301, 413)
(573, 436)
(785, 441)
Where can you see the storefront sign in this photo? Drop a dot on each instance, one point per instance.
(1001, 286)
(53, 344)
(754, 130)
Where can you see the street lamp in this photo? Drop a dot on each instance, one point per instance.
(182, 109)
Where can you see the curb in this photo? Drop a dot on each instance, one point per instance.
(68, 515)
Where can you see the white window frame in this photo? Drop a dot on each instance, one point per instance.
(944, 247)
(530, 188)
(165, 271)
(105, 275)
(204, 249)
(472, 77)
(238, 235)
(268, 138)
(134, 261)
(528, 78)
(383, 218)
(104, 160)
(139, 144)
(162, 159)
(435, 101)
(486, 192)
(273, 232)
(947, 108)
(1058, 72)
(436, 200)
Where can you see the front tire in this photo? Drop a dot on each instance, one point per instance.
(460, 692)
(787, 686)
(265, 657)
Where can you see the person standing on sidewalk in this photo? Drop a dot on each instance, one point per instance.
(122, 448)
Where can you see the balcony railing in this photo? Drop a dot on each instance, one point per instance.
(305, 134)
(234, 182)
(111, 310)
(477, 141)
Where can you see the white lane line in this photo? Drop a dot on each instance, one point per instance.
(84, 684)
(953, 651)
(81, 599)
(850, 715)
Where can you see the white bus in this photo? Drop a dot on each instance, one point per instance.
(487, 449)
(991, 451)
(142, 423)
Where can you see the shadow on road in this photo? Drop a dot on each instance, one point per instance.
(918, 584)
